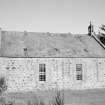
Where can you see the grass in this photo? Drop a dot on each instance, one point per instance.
(57, 100)
(93, 97)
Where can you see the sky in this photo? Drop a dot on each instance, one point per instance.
(58, 16)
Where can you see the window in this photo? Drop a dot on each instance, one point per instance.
(42, 72)
(79, 71)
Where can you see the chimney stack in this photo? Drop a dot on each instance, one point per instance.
(90, 29)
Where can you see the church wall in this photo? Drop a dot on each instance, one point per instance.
(22, 74)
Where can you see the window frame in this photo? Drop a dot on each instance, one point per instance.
(42, 72)
(79, 75)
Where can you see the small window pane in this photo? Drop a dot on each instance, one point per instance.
(78, 67)
(79, 77)
(42, 68)
(42, 78)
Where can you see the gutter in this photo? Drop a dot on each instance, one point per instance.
(95, 37)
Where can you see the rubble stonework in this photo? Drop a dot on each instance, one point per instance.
(22, 74)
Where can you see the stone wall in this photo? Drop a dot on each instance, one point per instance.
(22, 74)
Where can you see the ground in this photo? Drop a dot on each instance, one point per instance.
(71, 97)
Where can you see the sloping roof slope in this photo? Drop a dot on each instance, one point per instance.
(49, 45)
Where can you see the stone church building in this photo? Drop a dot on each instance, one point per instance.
(45, 61)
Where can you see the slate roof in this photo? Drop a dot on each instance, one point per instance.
(34, 44)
